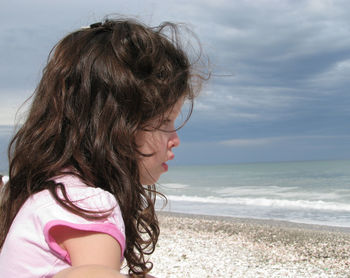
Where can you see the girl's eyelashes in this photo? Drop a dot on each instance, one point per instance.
(166, 121)
(167, 124)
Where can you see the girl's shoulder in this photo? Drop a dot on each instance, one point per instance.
(78, 192)
(42, 214)
(92, 201)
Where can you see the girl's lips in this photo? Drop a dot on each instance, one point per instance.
(165, 166)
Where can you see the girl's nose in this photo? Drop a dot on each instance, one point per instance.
(174, 140)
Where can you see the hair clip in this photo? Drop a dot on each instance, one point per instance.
(95, 25)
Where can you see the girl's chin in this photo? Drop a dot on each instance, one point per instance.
(165, 166)
(149, 180)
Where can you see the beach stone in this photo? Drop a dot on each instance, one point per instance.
(201, 246)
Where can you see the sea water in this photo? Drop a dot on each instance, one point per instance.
(314, 192)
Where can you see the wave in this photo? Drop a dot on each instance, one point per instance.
(5, 179)
(280, 192)
(256, 190)
(265, 202)
(174, 185)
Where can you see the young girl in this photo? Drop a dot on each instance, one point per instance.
(83, 165)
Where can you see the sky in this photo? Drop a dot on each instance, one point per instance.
(280, 82)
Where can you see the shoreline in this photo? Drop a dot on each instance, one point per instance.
(267, 222)
(208, 246)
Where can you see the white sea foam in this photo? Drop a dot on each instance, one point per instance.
(256, 190)
(174, 185)
(265, 202)
(277, 191)
(5, 179)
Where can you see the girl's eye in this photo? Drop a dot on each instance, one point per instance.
(167, 124)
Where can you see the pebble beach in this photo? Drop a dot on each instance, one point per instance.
(208, 246)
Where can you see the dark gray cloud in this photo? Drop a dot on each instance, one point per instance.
(289, 62)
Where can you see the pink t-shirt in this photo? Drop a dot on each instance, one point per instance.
(29, 249)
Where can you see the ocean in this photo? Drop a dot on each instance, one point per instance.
(312, 192)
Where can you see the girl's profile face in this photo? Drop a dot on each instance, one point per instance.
(159, 142)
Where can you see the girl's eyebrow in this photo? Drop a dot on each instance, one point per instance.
(166, 121)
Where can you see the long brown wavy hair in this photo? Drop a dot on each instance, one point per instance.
(100, 86)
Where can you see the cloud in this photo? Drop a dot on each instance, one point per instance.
(249, 142)
(14, 105)
(286, 42)
(248, 103)
(6, 130)
(336, 77)
(280, 68)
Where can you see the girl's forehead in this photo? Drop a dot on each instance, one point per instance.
(171, 114)
(176, 108)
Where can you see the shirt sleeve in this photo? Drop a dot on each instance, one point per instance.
(91, 199)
